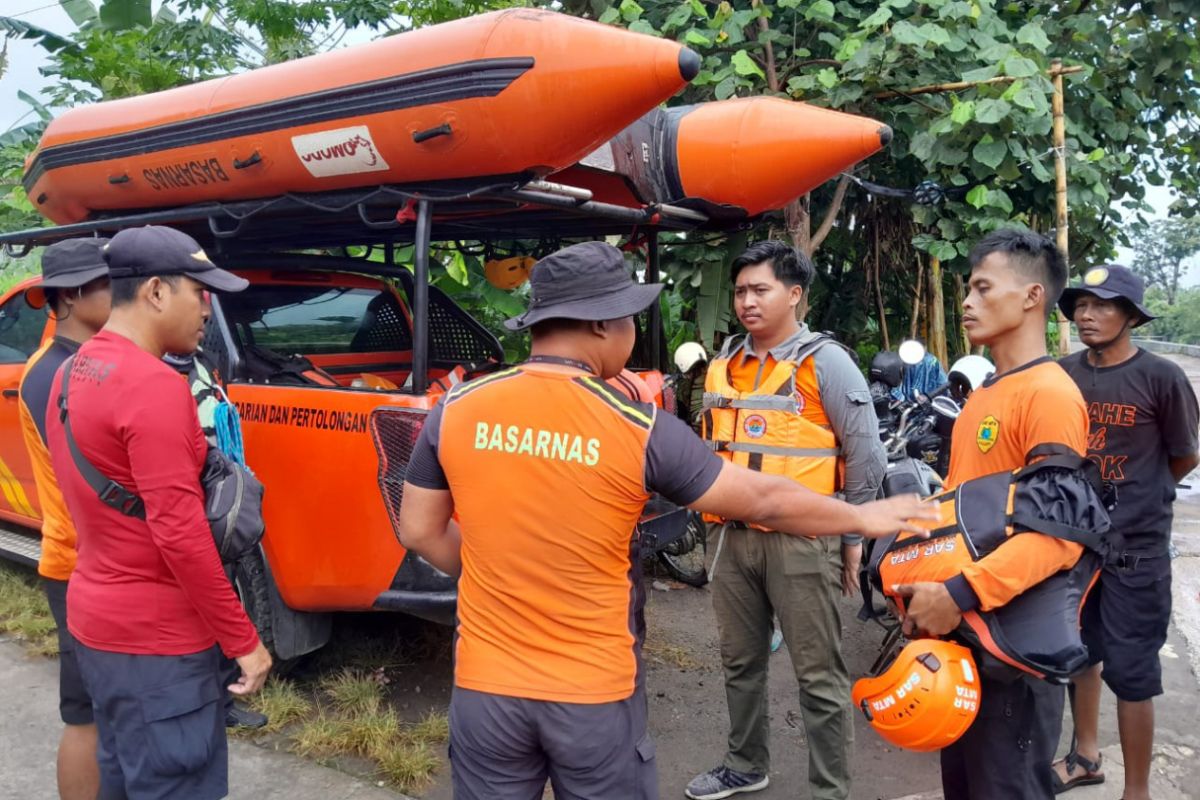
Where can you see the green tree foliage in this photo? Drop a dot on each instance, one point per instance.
(1178, 321)
(964, 85)
(1161, 251)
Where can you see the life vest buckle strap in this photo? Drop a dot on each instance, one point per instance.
(794, 452)
(717, 400)
(766, 402)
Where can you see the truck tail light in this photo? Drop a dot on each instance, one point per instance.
(395, 432)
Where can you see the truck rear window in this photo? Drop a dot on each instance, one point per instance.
(314, 320)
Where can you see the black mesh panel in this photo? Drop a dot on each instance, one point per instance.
(395, 432)
(451, 339)
(384, 329)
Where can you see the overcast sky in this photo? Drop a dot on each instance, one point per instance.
(25, 57)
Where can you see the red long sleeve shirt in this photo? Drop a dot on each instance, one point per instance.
(153, 586)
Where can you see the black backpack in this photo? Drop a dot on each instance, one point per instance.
(232, 495)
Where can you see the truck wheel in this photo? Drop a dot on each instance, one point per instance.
(251, 583)
(684, 558)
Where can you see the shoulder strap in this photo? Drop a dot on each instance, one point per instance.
(1091, 539)
(731, 344)
(1049, 449)
(808, 345)
(110, 492)
(1059, 455)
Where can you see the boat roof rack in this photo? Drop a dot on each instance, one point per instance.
(495, 208)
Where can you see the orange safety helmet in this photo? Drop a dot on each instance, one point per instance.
(508, 273)
(926, 699)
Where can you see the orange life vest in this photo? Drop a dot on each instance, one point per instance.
(764, 429)
(1037, 632)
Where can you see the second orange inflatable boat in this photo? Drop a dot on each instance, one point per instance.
(729, 159)
(504, 93)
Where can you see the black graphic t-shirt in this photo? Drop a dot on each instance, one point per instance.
(1142, 412)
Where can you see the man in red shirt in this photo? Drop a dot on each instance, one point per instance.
(149, 601)
(74, 290)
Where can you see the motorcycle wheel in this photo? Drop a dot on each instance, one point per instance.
(683, 559)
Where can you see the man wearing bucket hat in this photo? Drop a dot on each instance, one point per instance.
(547, 469)
(149, 603)
(74, 288)
(1144, 417)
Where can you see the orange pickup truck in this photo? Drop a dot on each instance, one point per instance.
(318, 357)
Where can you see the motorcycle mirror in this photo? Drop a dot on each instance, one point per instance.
(688, 355)
(911, 352)
(946, 407)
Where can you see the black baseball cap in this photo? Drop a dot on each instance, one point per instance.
(587, 281)
(68, 264)
(158, 250)
(1108, 282)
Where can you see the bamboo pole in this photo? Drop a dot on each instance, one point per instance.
(916, 312)
(957, 86)
(960, 294)
(883, 323)
(1060, 191)
(937, 311)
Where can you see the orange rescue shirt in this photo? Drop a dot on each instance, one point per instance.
(58, 531)
(549, 470)
(1001, 422)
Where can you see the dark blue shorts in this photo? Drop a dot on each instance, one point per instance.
(1007, 752)
(505, 748)
(161, 724)
(1125, 624)
(74, 702)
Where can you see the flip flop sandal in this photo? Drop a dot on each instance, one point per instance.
(1089, 776)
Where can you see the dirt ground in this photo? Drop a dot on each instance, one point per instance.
(688, 716)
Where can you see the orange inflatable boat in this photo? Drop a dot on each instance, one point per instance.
(731, 158)
(510, 92)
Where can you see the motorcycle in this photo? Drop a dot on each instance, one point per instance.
(675, 536)
(915, 432)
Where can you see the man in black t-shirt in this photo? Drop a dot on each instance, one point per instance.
(1143, 436)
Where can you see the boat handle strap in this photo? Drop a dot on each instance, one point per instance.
(254, 158)
(432, 133)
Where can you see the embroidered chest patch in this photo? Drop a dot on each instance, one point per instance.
(755, 426)
(988, 433)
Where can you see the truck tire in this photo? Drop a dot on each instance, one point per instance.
(289, 635)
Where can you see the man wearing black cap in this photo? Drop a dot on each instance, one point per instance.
(149, 602)
(1143, 434)
(74, 289)
(548, 468)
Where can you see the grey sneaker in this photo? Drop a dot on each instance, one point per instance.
(724, 782)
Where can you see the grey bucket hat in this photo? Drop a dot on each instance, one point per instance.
(587, 281)
(1108, 282)
(68, 264)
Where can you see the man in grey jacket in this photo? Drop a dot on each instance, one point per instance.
(788, 401)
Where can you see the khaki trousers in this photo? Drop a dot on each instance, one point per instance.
(757, 576)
